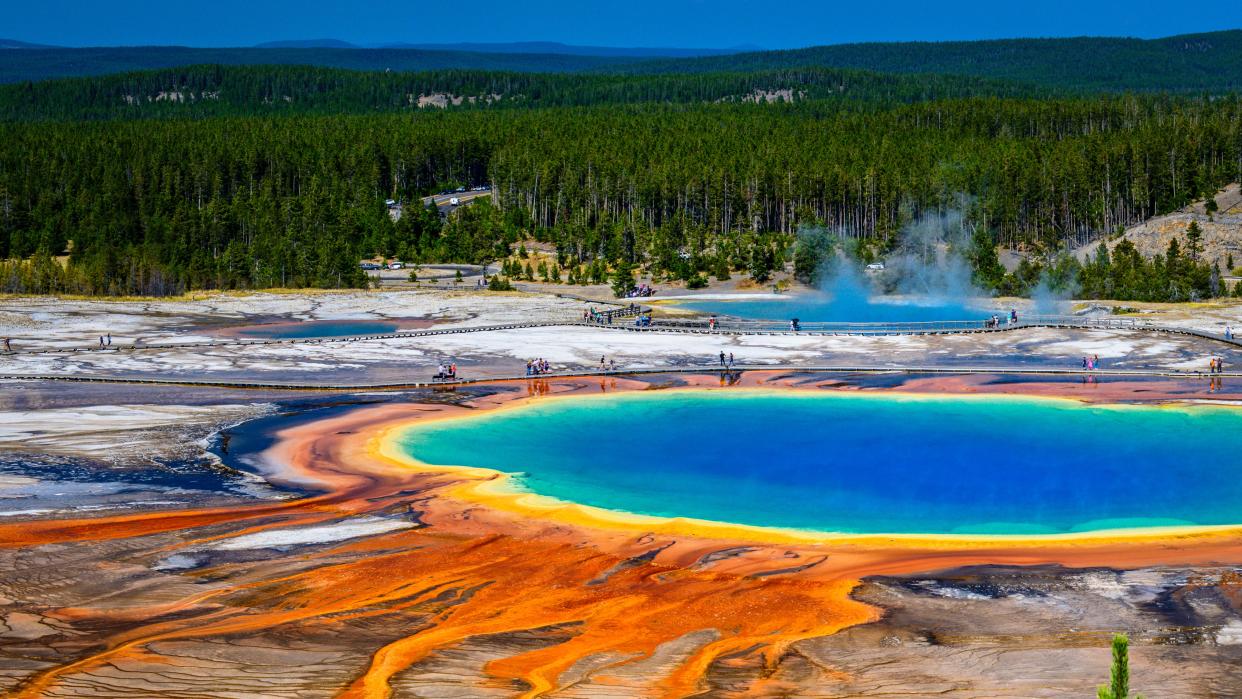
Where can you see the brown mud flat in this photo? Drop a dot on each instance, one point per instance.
(474, 600)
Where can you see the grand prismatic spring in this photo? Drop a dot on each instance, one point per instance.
(863, 463)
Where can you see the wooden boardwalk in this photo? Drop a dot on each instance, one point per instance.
(725, 327)
(621, 372)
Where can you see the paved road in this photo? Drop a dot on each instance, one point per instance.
(442, 201)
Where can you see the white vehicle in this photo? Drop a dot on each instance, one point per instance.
(395, 265)
(875, 267)
(454, 201)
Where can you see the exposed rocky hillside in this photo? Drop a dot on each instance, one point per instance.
(1222, 230)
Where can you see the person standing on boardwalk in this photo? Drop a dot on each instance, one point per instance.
(722, 358)
(109, 339)
(8, 347)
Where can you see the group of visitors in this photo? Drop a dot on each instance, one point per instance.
(995, 320)
(446, 371)
(642, 320)
(640, 291)
(1091, 363)
(795, 325)
(105, 341)
(609, 365)
(536, 367)
(726, 362)
(1228, 333)
(591, 315)
(1216, 365)
(594, 316)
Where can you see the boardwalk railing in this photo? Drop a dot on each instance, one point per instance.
(738, 325)
(619, 319)
(624, 371)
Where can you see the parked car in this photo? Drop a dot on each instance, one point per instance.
(454, 201)
(876, 267)
(395, 265)
(369, 266)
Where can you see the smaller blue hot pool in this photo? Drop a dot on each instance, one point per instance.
(315, 328)
(823, 308)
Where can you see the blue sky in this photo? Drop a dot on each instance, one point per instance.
(685, 23)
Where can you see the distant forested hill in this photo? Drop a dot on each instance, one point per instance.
(1189, 63)
(200, 91)
(42, 64)
(571, 49)
(1192, 62)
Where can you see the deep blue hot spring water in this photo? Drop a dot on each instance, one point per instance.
(876, 463)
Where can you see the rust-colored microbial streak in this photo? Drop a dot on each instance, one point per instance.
(489, 563)
(631, 613)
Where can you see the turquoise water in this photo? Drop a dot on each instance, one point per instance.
(822, 308)
(317, 328)
(864, 463)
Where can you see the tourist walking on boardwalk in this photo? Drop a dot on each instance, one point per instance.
(1228, 333)
(1095, 361)
(101, 342)
(722, 358)
(109, 336)
(730, 360)
(8, 347)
